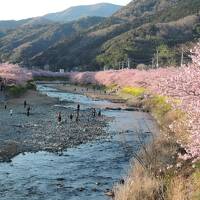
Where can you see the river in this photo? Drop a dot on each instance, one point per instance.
(82, 173)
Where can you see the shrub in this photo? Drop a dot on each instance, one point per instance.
(16, 90)
(135, 91)
(159, 106)
(31, 85)
(50, 78)
(111, 86)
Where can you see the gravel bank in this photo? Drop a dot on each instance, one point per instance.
(41, 131)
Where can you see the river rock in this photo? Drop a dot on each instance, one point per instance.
(132, 109)
(110, 108)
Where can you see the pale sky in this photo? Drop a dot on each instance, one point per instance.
(21, 9)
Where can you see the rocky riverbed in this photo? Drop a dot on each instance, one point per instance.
(41, 131)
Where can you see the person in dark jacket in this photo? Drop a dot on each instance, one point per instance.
(59, 117)
(78, 112)
(28, 111)
(25, 103)
(71, 117)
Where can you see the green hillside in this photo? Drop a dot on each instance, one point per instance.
(136, 32)
(27, 41)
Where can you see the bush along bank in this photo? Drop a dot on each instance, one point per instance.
(157, 171)
(16, 90)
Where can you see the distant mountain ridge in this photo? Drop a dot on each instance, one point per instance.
(27, 38)
(77, 12)
(68, 15)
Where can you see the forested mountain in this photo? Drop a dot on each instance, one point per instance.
(137, 31)
(8, 25)
(30, 40)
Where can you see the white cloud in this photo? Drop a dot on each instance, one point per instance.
(21, 9)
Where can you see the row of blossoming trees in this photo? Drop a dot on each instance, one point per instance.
(14, 74)
(177, 83)
(17, 75)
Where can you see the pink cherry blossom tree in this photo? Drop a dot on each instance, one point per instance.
(178, 83)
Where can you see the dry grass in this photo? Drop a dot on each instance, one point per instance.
(195, 179)
(138, 186)
(177, 189)
(146, 180)
(149, 178)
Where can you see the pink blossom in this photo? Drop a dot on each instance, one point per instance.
(14, 74)
(176, 83)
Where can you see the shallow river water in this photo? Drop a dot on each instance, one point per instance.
(81, 173)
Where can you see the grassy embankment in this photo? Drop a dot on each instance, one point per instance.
(157, 172)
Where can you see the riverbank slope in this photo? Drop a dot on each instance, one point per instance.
(169, 168)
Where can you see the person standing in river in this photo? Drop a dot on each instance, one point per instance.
(94, 112)
(11, 112)
(59, 118)
(99, 113)
(1, 87)
(28, 111)
(77, 112)
(25, 103)
(71, 117)
(78, 107)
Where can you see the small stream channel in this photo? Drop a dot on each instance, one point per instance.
(81, 173)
